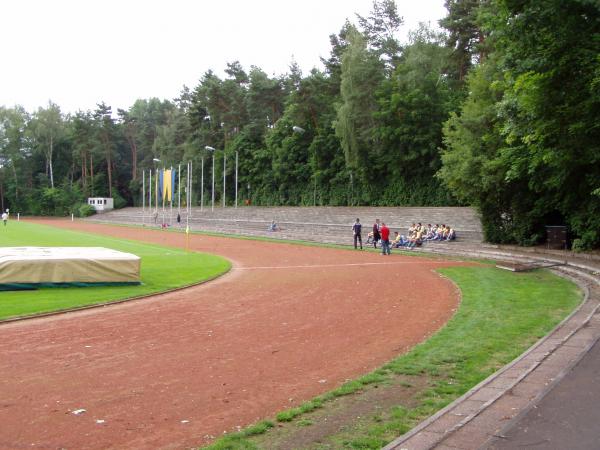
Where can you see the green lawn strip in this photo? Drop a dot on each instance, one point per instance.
(501, 314)
(162, 269)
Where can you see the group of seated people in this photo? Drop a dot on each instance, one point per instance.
(418, 233)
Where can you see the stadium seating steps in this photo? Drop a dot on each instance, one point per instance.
(320, 224)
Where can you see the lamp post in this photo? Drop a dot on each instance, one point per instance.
(224, 173)
(236, 178)
(212, 191)
(202, 184)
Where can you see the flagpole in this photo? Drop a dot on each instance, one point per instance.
(187, 189)
(171, 186)
(163, 196)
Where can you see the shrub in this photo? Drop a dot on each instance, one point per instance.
(84, 210)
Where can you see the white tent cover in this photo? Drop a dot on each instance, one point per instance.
(67, 265)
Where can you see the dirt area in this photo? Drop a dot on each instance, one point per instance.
(314, 429)
(172, 370)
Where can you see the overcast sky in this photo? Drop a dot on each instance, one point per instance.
(80, 52)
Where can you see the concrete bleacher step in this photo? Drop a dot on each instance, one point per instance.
(321, 224)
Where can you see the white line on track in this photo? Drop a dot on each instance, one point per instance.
(318, 266)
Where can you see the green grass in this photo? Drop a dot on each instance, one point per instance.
(500, 316)
(162, 269)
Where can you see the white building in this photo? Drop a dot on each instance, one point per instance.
(101, 204)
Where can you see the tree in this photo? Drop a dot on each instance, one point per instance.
(362, 72)
(380, 28)
(14, 149)
(48, 128)
(413, 104)
(525, 146)
(81, 131)
(465, 36)
(105, 133)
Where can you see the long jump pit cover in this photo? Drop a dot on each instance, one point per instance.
(34, 267)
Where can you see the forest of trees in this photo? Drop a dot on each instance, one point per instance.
(500, 110)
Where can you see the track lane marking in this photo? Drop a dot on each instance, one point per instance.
(318, 266)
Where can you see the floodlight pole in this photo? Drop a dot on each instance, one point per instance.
(224, 173)
(212, 190)
(202, 186)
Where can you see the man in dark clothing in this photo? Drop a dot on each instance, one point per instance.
(376, 235)
(356, 230)
(385, 239)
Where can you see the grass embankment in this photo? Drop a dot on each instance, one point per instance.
(501, 315)
(162, 269)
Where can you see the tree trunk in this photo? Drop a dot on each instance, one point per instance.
(134, 160)
(109, 167)
(50, 162)
(16, 182)
(2, 194)
(83, 172)
(133, 147)
(92, 173)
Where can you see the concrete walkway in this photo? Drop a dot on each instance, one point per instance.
(566, 418)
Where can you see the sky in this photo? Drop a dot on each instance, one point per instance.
(78, 53)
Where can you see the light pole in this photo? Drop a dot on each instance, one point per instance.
(236, 178)
(212, 191)
(202, 184)
(224, 173)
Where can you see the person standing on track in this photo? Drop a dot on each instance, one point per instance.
(376, 235)
(356, 230)
(385, 239)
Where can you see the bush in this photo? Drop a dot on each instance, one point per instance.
(84, 210)
(119, 201)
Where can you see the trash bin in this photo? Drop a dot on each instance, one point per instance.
(556, 237)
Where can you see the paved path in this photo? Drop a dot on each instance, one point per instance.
(567, 418)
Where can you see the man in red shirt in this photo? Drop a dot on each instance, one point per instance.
(385, 239)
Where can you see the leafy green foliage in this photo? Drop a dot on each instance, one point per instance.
(85, 210)
(525, 146)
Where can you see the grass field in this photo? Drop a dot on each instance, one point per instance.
(162, 269)
(501, 315)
